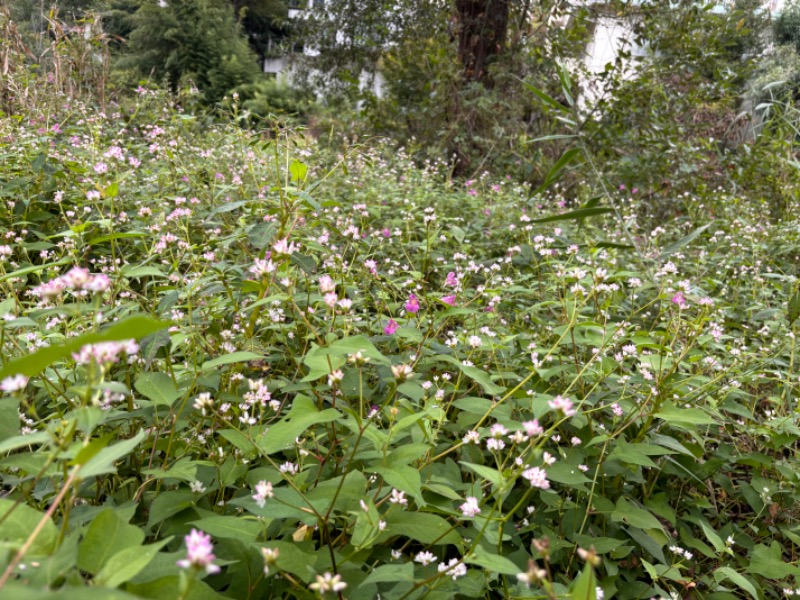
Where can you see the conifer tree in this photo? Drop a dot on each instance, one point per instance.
(197, 40)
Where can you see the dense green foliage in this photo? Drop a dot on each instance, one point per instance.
(349, 372)
(194, 41)
(244, 361)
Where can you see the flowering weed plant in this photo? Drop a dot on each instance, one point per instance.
(236, 367)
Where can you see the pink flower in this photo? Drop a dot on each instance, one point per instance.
(390, 327)
(680, 300)
(412, 305)
(331, 298)
(326, 284)
(386, 233)
(452, 280)
(562, 404)
(451, 300)
(537, 478)
(532, 428)
(14, 383)
(199, 553)
(263, 491)
(470, 508)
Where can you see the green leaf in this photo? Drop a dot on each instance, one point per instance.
(34, 269)
(106, 536)
(127, 563)
(739, 580)
(768, 562)
(21, 441)
(683, 416)
(580, 213)
(238, 439)
(390, 574)
(302, 415)
(494, 563)
(183, 470)
(651, 570)
(298, 170)
(546, 98)
(16, 528)
(14, 591)
(112, 190)
(350, 345)
(557, 169)
(585, 585)
(232, 358)
(166, 588)
(131, 328)
(477, 375)
(239, 528)
(404, 478)
(103, 462)
(423, 527)
(169, 503)
(488, 473)
(793, 307)
(566, 474)
(114, 236)
(712, 536)
(157, 387)
(134, 272)
(675, 246)
(9, 418)
(629, 513)
(297, 558)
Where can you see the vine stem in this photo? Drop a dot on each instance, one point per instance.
(35, 533)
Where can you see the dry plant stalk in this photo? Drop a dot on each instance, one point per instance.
(75, 64)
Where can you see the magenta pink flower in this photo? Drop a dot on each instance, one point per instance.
(452, 280)
(390, 327)
(199, 553)
(451, 300)
(412, 305)
(680, 300)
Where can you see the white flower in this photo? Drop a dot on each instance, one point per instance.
(326, 284)
(471, 437)
(335, 378)
(328, 583)
(288, 467)
(398, 498)
(197, 487)
(470, 508)
(284, 247)
(455, 568)
(402, 372)
(270, 555)
(204, 402)
(537, 478)
(263, 491)
(532, 575)
(262, 267)
(13, 384)
(425, 558)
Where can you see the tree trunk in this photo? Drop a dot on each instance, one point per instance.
(482, 28)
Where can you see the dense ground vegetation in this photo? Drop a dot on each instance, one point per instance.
(361, 370)
(247, 362)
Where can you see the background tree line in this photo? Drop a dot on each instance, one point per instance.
(482, 84)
